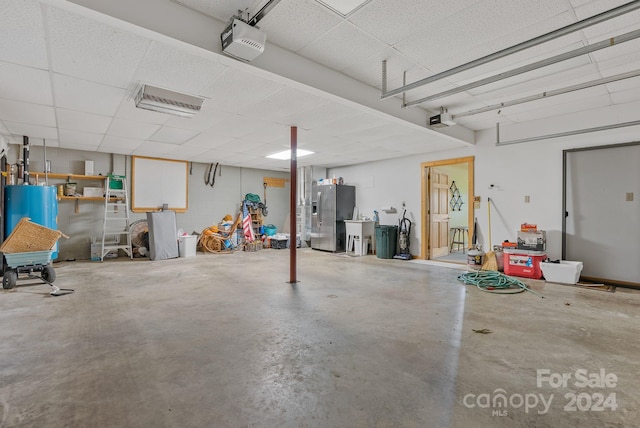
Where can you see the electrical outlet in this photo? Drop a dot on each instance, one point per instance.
(527, 199)
(628, 197)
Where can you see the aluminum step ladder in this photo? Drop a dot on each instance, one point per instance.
(115, 229)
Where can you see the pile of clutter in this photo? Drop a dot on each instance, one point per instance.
(220, 237)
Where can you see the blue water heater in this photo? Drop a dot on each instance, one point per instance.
(39, 203)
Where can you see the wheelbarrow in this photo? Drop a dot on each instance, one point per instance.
(27, 263)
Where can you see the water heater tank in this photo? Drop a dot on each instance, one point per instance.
(39, 203)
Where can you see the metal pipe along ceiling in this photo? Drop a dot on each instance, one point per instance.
(596, 19)
(552, 93)
(563, 134)
(524, 69)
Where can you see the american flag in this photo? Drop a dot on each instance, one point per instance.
(246, 224)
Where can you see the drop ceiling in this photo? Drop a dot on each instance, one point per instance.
(68, 72)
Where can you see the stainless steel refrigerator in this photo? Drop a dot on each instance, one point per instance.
(331, 205)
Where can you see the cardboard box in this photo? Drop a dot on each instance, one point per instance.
(93, 192)
(532, 241)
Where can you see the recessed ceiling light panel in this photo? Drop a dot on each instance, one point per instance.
(343, 7)
(287, 154)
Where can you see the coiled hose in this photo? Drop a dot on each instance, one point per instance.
(495, 282)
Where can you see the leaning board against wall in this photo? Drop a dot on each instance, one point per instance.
(156, 182)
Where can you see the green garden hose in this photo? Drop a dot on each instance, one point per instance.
(495, 282)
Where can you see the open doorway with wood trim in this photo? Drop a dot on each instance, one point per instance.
(447, 209)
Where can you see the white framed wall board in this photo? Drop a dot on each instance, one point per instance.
(155, 182)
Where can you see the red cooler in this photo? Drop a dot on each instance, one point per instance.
(523, 263)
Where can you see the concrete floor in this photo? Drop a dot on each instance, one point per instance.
(223, 341)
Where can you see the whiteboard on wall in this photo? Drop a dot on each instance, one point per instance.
(155, 182)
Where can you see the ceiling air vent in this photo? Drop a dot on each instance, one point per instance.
(165, 101)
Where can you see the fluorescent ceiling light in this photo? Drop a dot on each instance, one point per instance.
(287, 154)
(165, 101)
(343, 7)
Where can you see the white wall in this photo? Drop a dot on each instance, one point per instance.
(207, 205)
(533, 169)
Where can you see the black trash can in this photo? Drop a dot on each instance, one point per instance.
(386, 238)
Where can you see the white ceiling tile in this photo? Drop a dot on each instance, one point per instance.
(209, 141)
(110, 143)
(178, 70)
(78, 138)
(132, 129)
(626, 96)
(22, 40)
(281, 104)
(183, 152)
(82, 95)
(223, 9)
(485, 27)
(520, 59)
(170, 135)
(153, 148)
(202, 121)
(559, 109)
(293, 24)
(78, 121)
(269, 133)
(103, 54)
(16, 111)
(235, 125)
(322, 115)
(118, 150)
(25, 84)
(235, 90)
(332, 51)
(537, 80)
(78, 146)
(30, 130)
(624, 85)
(393, 21)
(623, 52)
(369, 70)
(608, 28)
(536, 86)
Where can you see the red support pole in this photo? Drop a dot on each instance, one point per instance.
(293, 241)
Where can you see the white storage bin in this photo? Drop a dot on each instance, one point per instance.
(187, 245)
(565, 272)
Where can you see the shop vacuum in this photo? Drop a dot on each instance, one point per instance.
(404, 230)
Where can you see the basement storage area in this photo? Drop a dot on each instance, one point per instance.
(319, 214)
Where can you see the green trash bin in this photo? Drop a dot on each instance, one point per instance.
(386, 237)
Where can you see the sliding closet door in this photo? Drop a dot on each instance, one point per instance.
(603, 211)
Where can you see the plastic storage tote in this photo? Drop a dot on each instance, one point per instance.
(386, 237)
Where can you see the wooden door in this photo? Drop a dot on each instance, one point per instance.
(438, 213)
